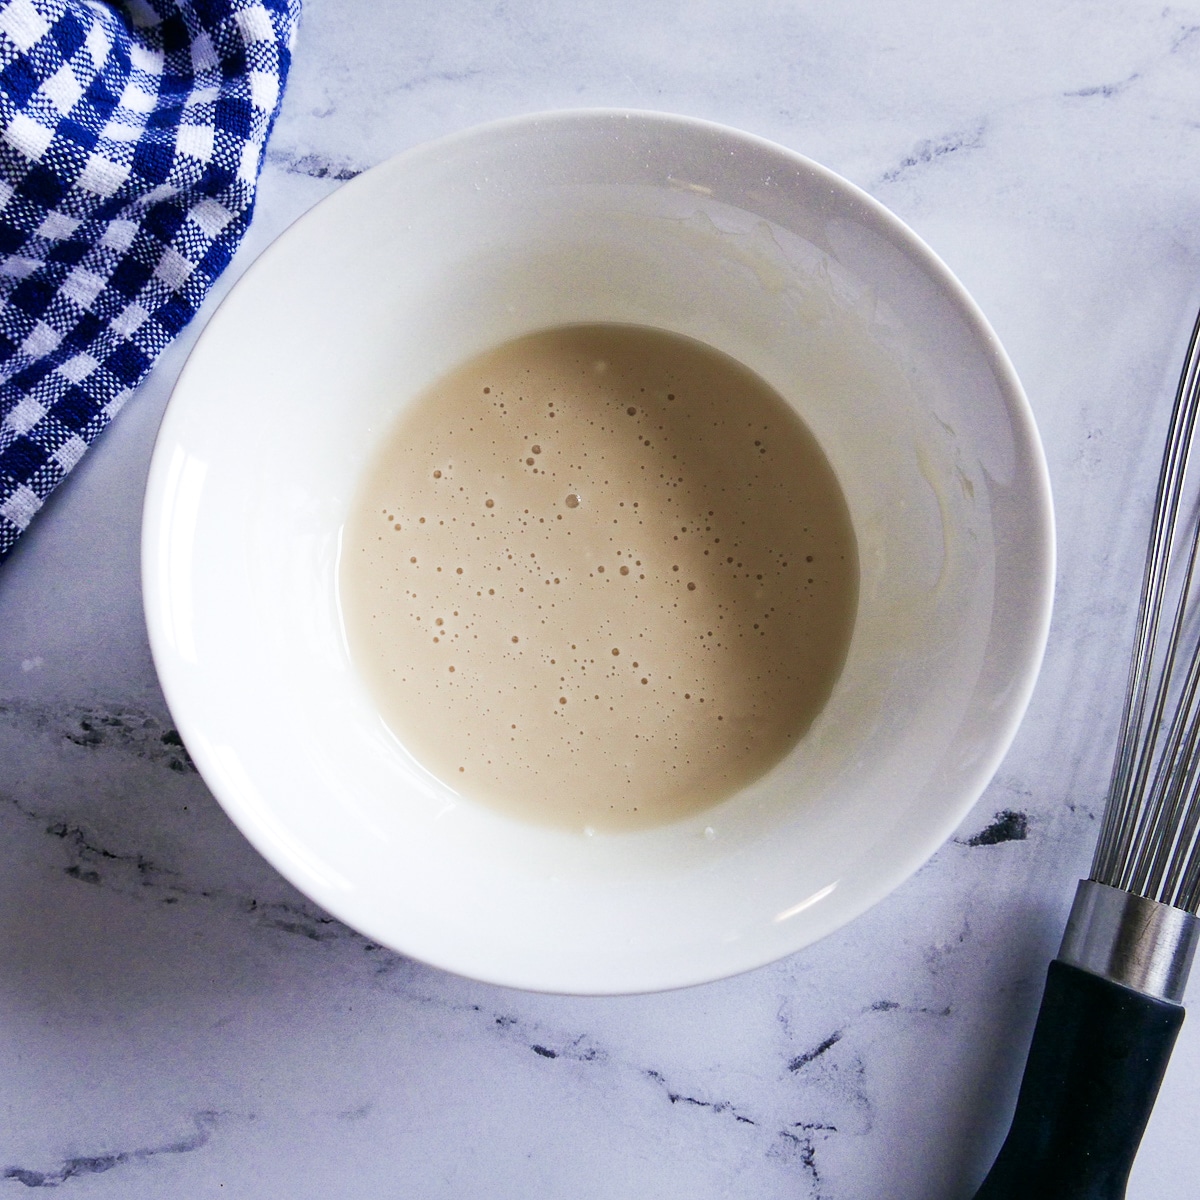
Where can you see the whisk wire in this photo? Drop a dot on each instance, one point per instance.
(1149, 841)
(1141, 814)
(1155, 816)
(1132, 762)
(1185, 857)
(1172, 790)
(1188, 859)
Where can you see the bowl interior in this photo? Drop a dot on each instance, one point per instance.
(596, 216)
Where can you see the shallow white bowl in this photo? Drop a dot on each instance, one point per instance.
(583, 216)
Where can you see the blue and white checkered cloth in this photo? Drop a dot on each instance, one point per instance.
(131, 137)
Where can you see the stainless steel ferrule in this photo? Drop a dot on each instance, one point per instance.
(1130, 940)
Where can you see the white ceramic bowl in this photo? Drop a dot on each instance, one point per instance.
(583, 216)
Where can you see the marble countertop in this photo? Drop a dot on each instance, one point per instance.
(175, 1020)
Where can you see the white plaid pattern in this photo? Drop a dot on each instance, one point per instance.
(131, 137)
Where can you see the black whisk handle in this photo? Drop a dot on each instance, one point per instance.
(1097, 1059)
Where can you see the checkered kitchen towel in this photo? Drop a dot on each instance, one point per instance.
(131, 136)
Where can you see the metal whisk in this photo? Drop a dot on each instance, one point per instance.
(1112, 1007)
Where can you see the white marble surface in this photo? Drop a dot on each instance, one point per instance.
(176, 1021)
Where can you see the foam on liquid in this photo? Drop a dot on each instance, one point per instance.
(599, 577)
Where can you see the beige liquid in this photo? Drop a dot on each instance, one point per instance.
(602, 576)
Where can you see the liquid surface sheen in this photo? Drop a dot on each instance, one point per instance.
(600, 577)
